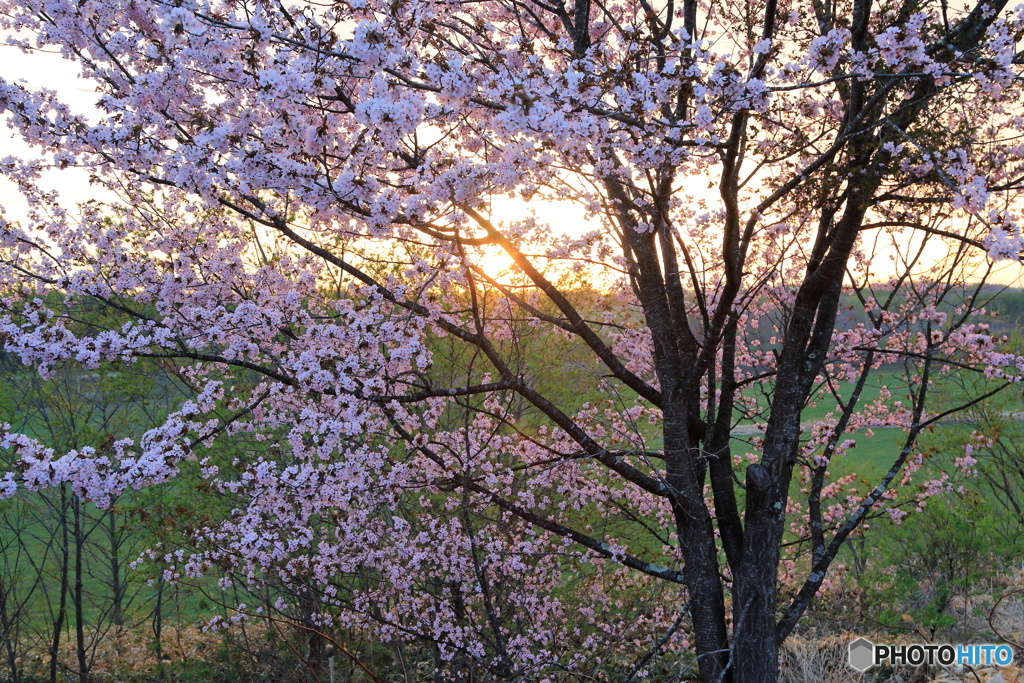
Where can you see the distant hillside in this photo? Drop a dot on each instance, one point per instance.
(1005, 303)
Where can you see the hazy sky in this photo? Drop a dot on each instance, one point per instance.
(44, 70)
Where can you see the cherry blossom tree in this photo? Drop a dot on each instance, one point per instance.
(304, 205)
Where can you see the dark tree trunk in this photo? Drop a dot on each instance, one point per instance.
(158, 627)
(79, 598)
(116, 584)
(697, 543)
(58, 622)
(10, 636)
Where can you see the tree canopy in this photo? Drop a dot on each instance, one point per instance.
(601, 452)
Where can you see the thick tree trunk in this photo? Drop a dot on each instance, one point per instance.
(696, 533)
(754, 642)
(707, 604)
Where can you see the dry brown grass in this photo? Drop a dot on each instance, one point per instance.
(129, 654)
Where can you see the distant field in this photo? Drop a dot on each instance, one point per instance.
(824, 402)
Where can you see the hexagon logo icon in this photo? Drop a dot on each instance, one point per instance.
(862, 654)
